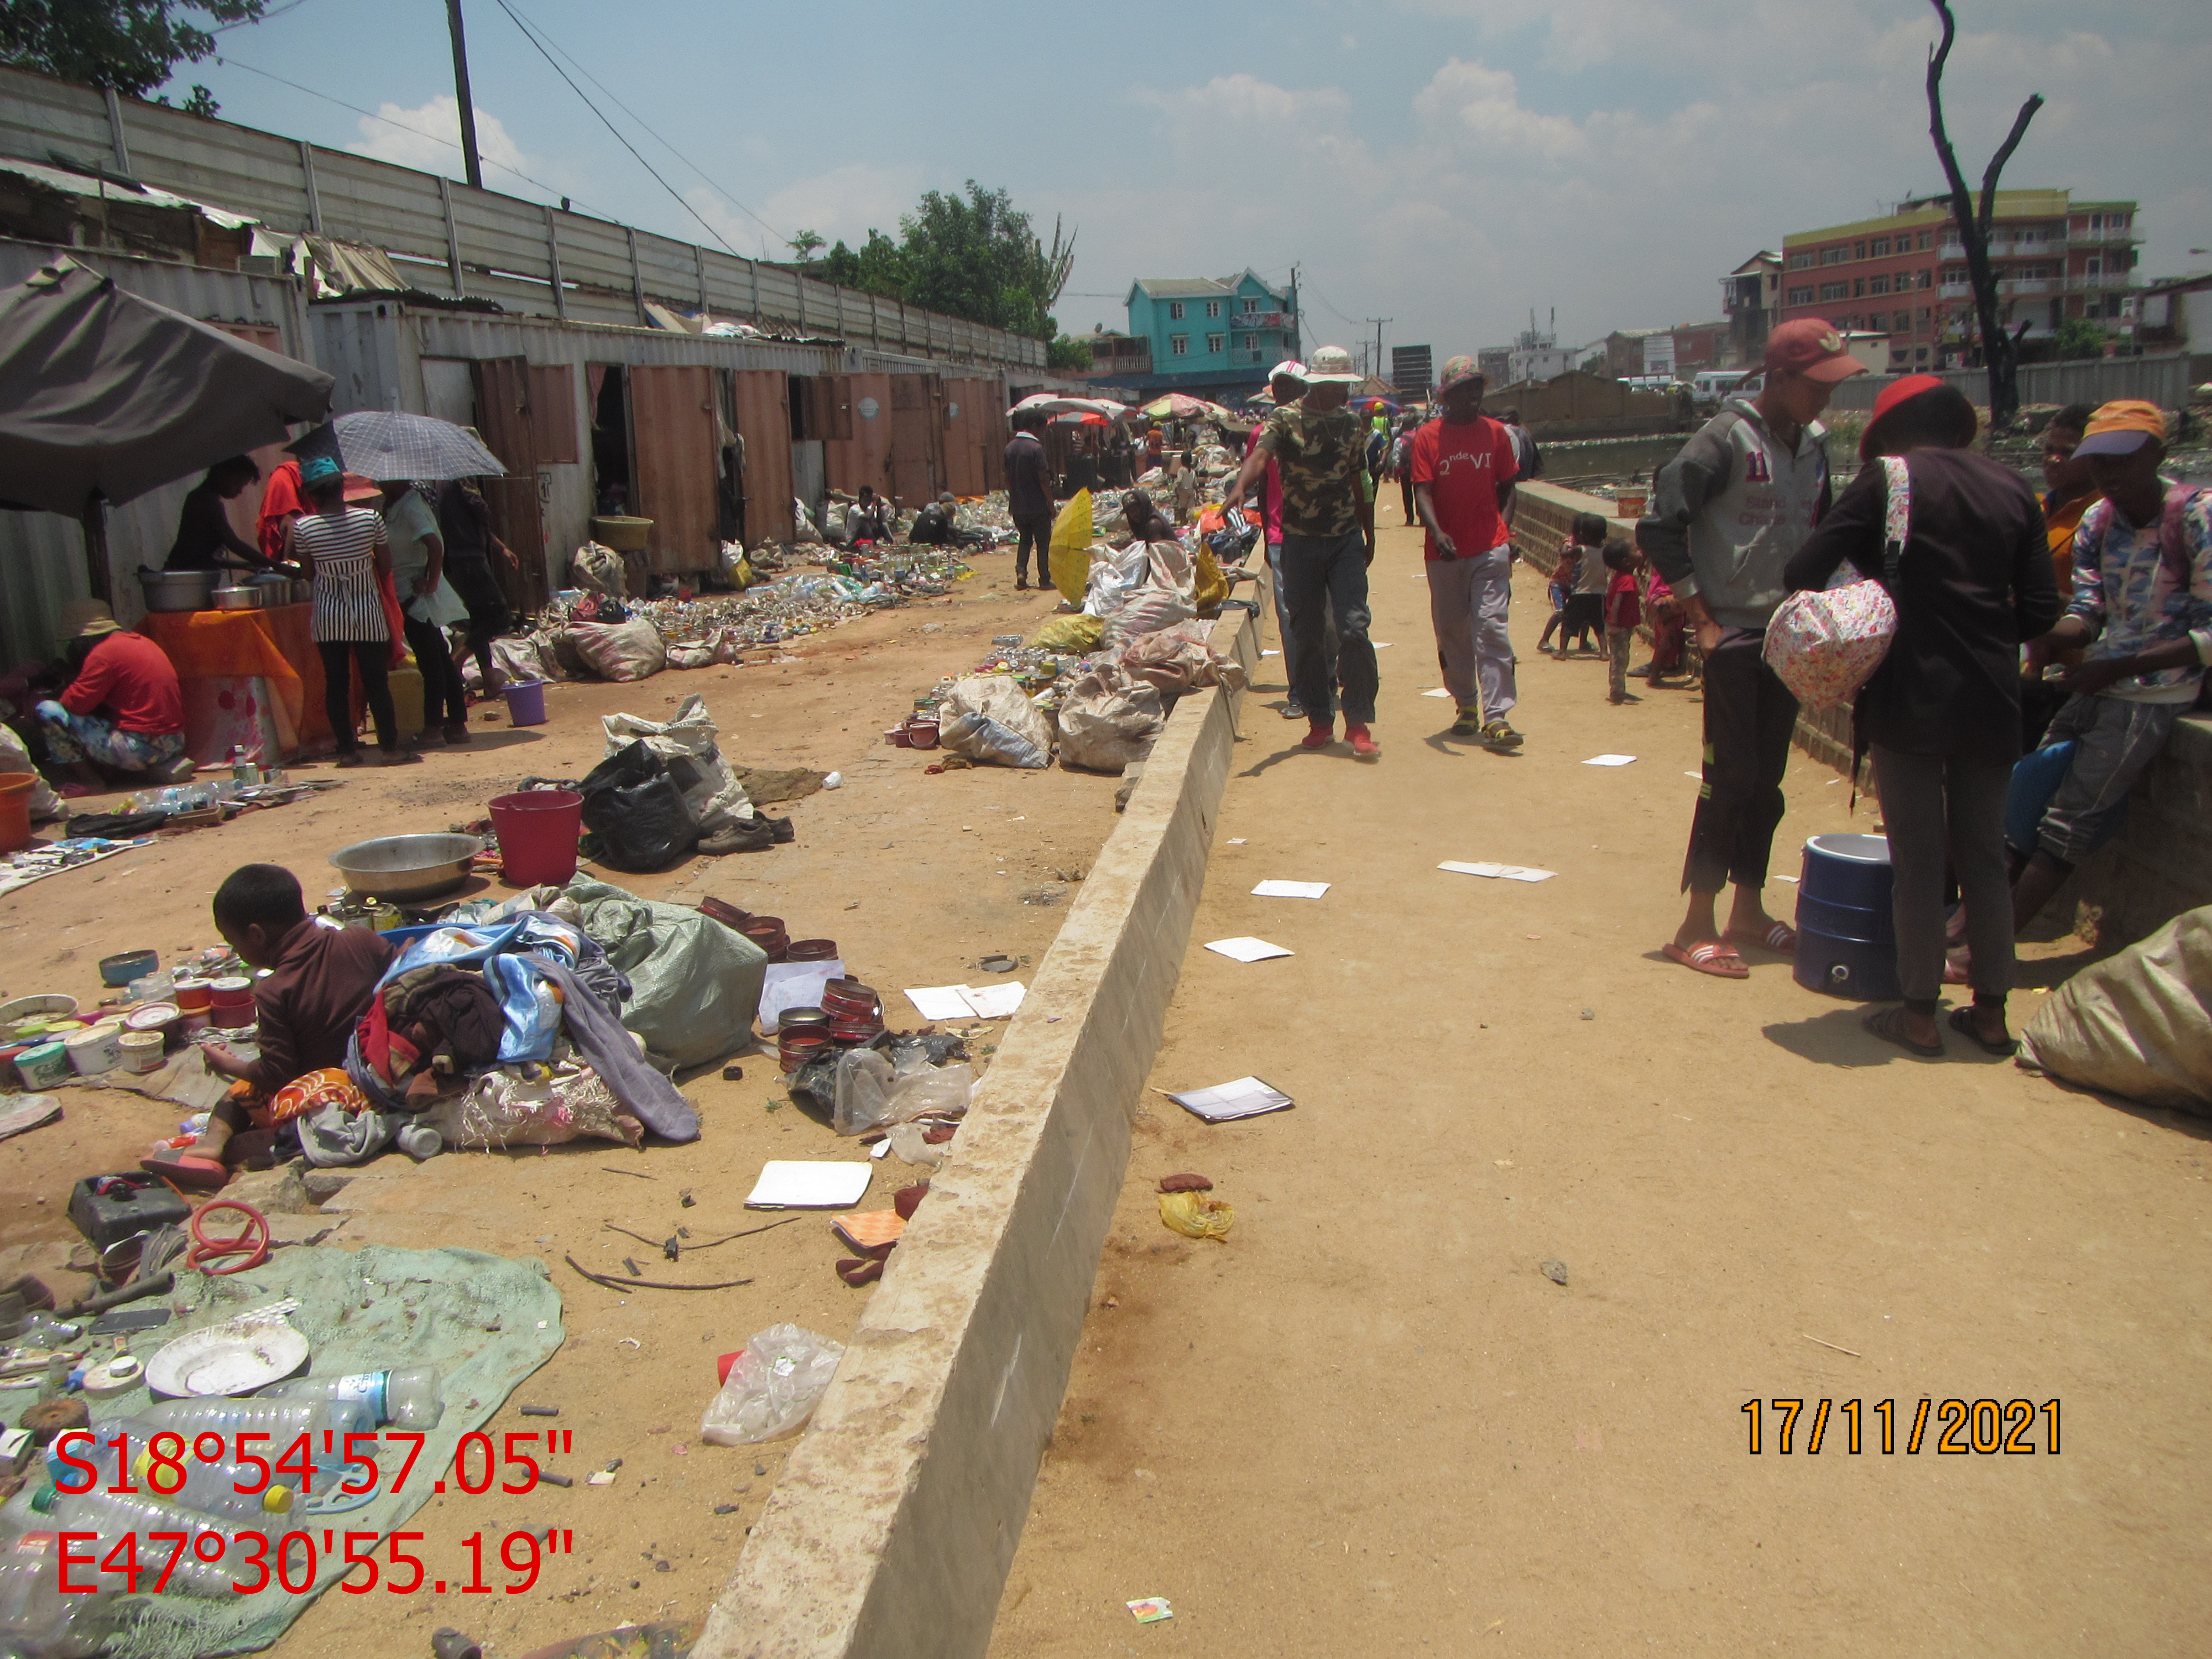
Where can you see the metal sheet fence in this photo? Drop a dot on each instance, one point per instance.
(525, 255)
(2161, 380)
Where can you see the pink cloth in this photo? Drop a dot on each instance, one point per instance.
(1271, 497)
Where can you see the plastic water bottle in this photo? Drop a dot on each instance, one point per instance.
(407, 1398)
(211, 1489)
(37, 1621)
(111, 1515)
(283, 1420)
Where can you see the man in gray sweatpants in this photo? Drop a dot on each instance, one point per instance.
(1726, 514)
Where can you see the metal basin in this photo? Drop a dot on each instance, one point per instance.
(406, 866)
(178, 590)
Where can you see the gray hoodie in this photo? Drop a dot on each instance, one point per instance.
(1729, 510)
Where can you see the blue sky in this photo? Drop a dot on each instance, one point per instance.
(1446, 163)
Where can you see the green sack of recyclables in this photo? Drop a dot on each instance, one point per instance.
(695, 984)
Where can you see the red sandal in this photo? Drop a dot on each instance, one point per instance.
(1713, 957)
(1779, 937)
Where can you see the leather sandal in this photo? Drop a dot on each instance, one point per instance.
(1888, 1025)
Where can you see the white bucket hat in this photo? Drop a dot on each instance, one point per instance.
(1331, 366)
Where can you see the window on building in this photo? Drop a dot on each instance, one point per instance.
(1925, 313)
(1214, 308)
(1858, 287)
(1879, 247)
(1174, 310)
(1920, 354)
(2116, 222)
(1877, 284)
(1926, 279)
(1901, 323)
(1836, 255)
(1926, 240)
(1858, 249)
(1178, 345)
(1251, 307)
(1801, 296)
(2096, 222)
(1214, 343)
(2096, 266)
(1801, 261)
(1835, 290)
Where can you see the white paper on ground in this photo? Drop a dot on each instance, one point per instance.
(1695, 777)
(794, 985)
(1271, 654)
(1439, 692)
(1380, 645)
(1788, 878)
(1246, 1097)
(1290, 890)
(994, 1001)
(1237, 841)
(1610, 760)
(1497, 871)
(791, 1184)
(940, 1002)
(1247, 949)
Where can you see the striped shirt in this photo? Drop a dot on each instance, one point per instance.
(342, 546)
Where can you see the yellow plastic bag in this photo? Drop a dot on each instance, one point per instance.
(1211, 586)
(1195, 1215)
(1077, 633)
(1071, 547)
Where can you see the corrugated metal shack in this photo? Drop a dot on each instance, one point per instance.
(573, 343)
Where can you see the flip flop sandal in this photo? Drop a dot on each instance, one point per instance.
(1962, 1021)
(1781, 939)
(1711, 957)
(1888, 1025)
(1955, 971)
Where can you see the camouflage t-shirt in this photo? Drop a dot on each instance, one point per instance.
(1320, 459)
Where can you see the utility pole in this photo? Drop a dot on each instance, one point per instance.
(1376, 368)
(462, 95)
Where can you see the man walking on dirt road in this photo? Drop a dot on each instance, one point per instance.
(1726, 514)
(1464, 467)
(1320, 450)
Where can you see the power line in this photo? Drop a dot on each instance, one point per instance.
(265, 17)
(582, 70)
(420, 132)
(673, 193)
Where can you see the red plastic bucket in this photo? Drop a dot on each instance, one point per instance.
(525, 702)
(537, 830)
(15, 809)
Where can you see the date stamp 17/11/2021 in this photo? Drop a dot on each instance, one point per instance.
(1950, 1428)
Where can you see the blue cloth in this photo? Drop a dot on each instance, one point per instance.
(512, 958)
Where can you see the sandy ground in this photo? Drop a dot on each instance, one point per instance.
(1369, 1422)
(916, 876)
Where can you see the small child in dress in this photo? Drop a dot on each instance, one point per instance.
(1561, 585)
(1586, 577)
(1623, 610)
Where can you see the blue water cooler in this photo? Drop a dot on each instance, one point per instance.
(1846, 941)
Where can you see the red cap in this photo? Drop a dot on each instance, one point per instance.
(1810, 346)
(1895, 393)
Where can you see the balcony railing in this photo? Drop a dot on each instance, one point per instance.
(1955, 291)
(2028, 285)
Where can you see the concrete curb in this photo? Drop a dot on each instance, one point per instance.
(892, 1529)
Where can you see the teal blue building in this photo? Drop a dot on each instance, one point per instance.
(1212, 337)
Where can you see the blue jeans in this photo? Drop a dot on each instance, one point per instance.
(1323, 575)
(71, 737)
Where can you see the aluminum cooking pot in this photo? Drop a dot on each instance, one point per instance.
(177, 590)
(406, 867)
(238, 598)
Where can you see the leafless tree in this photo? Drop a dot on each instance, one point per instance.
(2000, 352)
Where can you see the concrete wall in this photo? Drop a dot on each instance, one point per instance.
(891, 1531)
(2161, 864)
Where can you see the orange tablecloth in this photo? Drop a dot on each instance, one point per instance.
(273, 645)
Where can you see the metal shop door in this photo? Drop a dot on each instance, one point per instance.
(917, 462)
(859, 450)
(527, 417)
(761, 401)
(675, 442)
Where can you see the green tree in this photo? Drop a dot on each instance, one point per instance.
(2078, 337)
(1068, 353)
(132, 45)
(805, 244)
(880, 266)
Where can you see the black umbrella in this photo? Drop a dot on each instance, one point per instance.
(110, 395)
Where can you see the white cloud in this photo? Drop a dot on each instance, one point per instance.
(1475, 102)
(843, 204)
(429, 137)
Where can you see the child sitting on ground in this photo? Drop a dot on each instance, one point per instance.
(1585, 619)
(320, 983)
(1623, 610)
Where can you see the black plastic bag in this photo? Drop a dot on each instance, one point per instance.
(636, 813)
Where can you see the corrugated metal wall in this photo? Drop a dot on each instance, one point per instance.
(508, 250)
(42, 562)
(762, 407)
(2161, 380)
(675, 450)
(865, 457)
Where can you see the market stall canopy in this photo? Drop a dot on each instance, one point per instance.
(110, 395)
(1046, 403)
(385, 444)
(1181, 406)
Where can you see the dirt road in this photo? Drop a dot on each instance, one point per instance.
(1369, 1422)
(916, 876)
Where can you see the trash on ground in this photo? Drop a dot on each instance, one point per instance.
(795, 1184)
(772, 1388)
(1225, 1101)
(1497, 871)
(1306, 890)
(940, 1002)
(1194, 1215)
(2137, 1023)
(1610, 760)
(1247, 949)
(869, 1229)
(1555, 1270)
(1150, 1609)
(1186, 1183)
(1439, 692)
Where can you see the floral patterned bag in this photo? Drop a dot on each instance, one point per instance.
(1825, 646)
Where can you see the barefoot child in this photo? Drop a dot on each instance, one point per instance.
(1623, 610)
(1586, 603)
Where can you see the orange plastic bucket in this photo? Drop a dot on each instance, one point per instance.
(15, 809)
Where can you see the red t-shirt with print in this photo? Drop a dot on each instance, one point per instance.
(1464, 466)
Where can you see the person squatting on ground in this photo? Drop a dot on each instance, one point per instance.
(1941, 713)
(1623, 610)
(320, 982)
(2142, 614)
(1029, 499)
(132, 680)
(1328, 541)
(1727, 513)
(1463, 466)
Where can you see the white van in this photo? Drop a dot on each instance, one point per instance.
(1710, 386)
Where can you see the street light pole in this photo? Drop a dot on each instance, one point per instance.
(462, 94)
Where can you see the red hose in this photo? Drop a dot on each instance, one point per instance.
(250, 1241)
